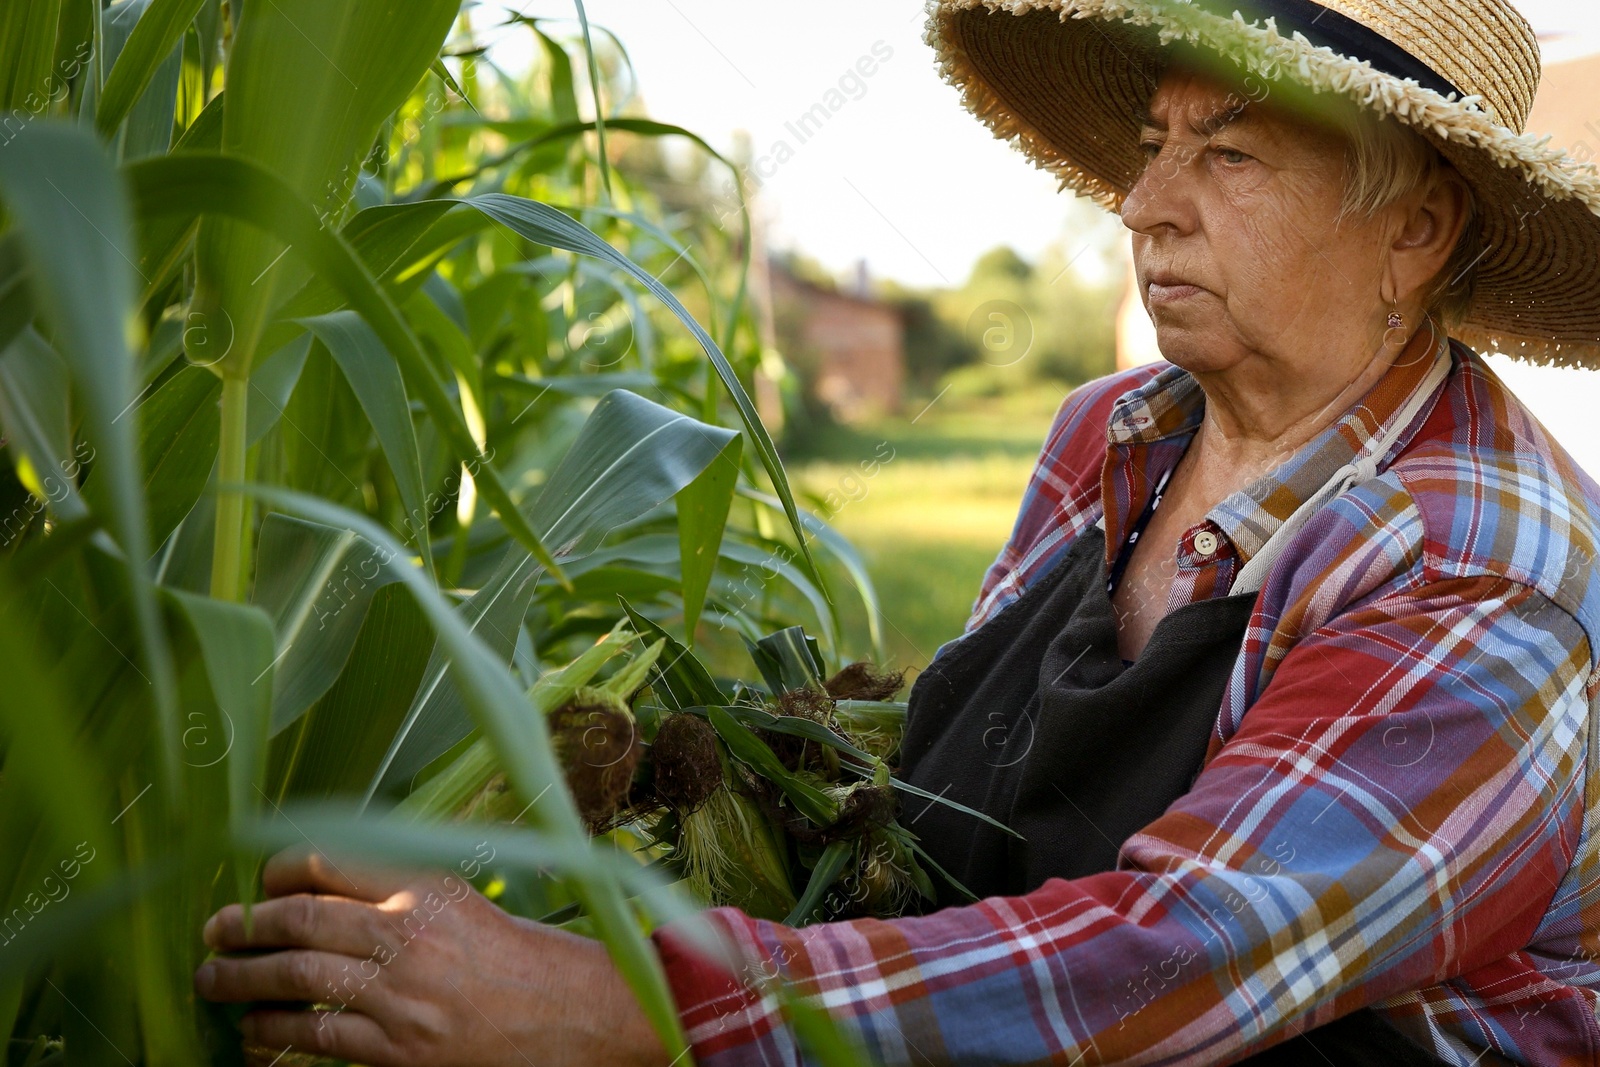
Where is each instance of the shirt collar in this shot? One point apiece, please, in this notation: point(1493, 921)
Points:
point(1171, 404)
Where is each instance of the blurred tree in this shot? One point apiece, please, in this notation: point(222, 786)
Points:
point(934, 346)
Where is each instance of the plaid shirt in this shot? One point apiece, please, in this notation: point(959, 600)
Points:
point(1398, 807)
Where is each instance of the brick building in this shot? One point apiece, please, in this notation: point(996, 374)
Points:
point(847, 345)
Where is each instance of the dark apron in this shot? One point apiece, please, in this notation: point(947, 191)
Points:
point(1034, 719)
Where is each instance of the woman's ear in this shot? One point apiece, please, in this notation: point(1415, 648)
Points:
point(1433, 220)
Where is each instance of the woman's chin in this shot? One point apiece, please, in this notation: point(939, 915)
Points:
point(1195, 348)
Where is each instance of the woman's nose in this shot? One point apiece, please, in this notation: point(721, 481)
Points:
point(1163, 195)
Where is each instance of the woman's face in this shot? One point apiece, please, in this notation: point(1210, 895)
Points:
point(1235, 241)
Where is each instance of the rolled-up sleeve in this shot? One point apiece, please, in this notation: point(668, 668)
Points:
point(1396, 808)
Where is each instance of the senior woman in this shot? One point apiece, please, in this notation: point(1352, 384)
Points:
point(1286, 674)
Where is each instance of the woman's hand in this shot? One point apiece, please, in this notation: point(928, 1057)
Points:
point(419, 969)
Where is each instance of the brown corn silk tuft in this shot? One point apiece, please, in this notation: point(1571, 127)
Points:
point(862, 680)
point(687, 770)
point(598, 743)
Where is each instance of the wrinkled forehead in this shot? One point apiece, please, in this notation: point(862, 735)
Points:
point(1202, 93)
point(1192, 100)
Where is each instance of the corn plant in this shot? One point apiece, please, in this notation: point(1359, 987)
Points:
point(350, 390)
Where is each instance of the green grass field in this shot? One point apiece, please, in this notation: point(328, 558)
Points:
point(930, 520)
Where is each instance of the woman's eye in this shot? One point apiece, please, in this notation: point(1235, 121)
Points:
point(1232, 155)
point(1151, 149)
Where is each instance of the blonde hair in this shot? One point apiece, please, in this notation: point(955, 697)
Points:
point(1385, 162)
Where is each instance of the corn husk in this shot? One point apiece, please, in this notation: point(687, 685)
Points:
point(779, 803)
point(800, 823)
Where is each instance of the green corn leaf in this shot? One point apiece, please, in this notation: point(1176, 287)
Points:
point(60, 784)
point(562, 914)
point(289, 59)
point(33, 410)
point(683, 680)
point(594, 88)
point(340, 828)
point(439, 717)
point(543, 136)
point(446, 298)
point(544, 224)
point(204, 133)
point(799, 655)
point(678, 248)
point(441, 331)
point(442, 72)
point(166, 241)
point(771, 668)
point(787, 659)
point(823, 875)
point(799, 727)
point(335, 747)
point(183, 184)
point(633, 675)
point(162, 353)
point(27, 47)
point(375, 377)
point(272, 382)
point(842, 550)
point(315, 582)
point(745, 746)
point(572, 384)
point(152, 40)
point(631, 455)
point(607, 583)
point(143, 38)
point(702, 515)
point(539, 135)
point(656, 553)
point(178, 426)
point(929, 861)
point(68, 205)
point(384, 238)
point(917, 791)
point(563, 98)
point(764, 560)
point(208, 33)
point(392, 238)
point(236, 641)
point(323, 436)
point(640, 334)
point(522, 744)
point(16, 304)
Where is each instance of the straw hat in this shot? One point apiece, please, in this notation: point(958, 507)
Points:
point(1064, 81)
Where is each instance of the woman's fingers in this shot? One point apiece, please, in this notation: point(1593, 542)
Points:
point(293, 974)
point(302, 870)
point(345, 1035)
point(465, 983)
point(303, 920)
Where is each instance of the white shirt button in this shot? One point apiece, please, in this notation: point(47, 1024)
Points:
point(1205, 542)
